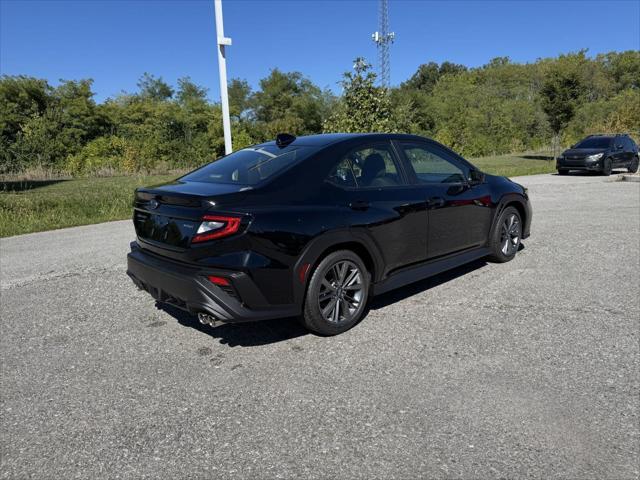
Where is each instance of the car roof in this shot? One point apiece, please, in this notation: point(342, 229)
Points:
point(325, 139)
point(607, 135)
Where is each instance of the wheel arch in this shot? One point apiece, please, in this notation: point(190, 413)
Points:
point(511, 200)
point(520, 208)
point(328, 243)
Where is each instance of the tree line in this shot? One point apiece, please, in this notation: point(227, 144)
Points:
point(501, 107)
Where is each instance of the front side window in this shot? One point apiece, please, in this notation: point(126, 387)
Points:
point(249, 166)
point(432, 166)
point(365, 167)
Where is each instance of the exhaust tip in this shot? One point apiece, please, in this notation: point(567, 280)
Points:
point(207, 319)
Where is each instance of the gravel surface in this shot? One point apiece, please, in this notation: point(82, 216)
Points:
point(527, 369)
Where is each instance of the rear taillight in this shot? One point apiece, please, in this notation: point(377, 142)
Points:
point(216, 226)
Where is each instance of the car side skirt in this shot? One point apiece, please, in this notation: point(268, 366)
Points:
point(428, 269)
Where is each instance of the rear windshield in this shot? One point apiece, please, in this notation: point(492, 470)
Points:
point(594, 142)
point(249, 166)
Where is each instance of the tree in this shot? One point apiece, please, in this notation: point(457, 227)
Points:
point(560, 95)
point(288, 102)
point(428, 74)
point(563, 90)
point(363, 106)
point(239, 97)
point(499, 107)
point(623, 68)
point(620, 113)
point(189, 92)
point(77, 114)
point(154, 88)
point(22, 99)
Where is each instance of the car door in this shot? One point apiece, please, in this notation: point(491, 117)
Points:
point(629, 151)
point(382, 203)
point(459, 210)
point(619, 152)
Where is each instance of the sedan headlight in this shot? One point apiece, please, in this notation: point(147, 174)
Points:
point(593, 158)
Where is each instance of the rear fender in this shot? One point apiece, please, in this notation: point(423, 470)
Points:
point(313, 254)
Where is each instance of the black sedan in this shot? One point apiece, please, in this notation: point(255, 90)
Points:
point(314, 226)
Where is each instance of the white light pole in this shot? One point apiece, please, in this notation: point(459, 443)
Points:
point(222, 42)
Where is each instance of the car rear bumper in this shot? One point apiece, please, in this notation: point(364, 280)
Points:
point(188, 288)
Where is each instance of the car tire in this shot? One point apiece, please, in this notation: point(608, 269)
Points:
point(633, 168)
point(606, 167)
point(337, 294)
point(563, 171)
point(506, 236)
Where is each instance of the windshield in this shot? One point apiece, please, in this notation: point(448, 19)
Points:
point(249, 166)
point(594, 142)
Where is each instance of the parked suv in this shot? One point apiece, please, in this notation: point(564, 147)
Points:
point(314, 226)
point(600, 153)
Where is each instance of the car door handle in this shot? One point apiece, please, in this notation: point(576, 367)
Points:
point(359, 205)
point(435, 202)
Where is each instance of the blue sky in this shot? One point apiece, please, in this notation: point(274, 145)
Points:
point(115, 41)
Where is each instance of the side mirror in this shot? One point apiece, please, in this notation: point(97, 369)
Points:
point(619, 147)
point(476, 177)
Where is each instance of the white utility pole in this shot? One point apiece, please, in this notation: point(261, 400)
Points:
point(222, 42)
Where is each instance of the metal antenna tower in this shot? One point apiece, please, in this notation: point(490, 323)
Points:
point(383, 38)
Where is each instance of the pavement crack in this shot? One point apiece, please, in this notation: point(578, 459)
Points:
point(53, 275)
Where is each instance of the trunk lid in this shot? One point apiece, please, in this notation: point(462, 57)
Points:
point(168, 215)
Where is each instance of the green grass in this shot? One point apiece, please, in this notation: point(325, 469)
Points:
point(38, 205)
point(515, 165)
point(34, 206)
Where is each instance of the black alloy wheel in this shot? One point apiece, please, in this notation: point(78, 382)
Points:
point(337, 293)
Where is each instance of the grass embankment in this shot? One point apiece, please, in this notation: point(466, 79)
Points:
point(38, 205)
point(515, 165)
point(33, 206)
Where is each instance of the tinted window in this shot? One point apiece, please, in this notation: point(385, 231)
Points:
point(594, 142)
point(431, 165)
point(342, 175)
point(373, 166)
point(249, 166)
point(629, 146)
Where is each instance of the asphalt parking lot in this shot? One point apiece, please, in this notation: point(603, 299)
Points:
point(527, 369)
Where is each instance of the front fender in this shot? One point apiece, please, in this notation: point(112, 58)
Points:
point(524, 207)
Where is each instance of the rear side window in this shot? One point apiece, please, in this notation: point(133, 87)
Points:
point(365, 167)
point(249, 166)
point(342, 175)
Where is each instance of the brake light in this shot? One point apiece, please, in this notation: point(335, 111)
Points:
point(216, 226)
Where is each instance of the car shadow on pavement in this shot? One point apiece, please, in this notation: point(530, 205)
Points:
point(578, 173)
point(394, 296)
point(250, 334)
